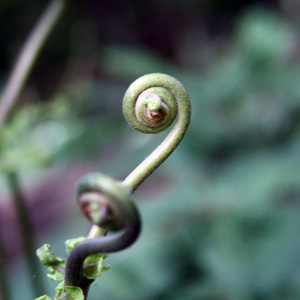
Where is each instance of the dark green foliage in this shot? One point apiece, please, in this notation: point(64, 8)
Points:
point(222, 219)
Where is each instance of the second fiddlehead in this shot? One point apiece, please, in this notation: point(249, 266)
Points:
point(106, 203)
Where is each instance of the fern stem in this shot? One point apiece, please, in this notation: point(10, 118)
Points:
point(27, 236)
point(27, 58)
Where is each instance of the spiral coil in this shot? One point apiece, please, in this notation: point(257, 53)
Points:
point(150, 104)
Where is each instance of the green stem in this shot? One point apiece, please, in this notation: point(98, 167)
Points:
point(27, 58)
point(96, 231)
point(26, 234)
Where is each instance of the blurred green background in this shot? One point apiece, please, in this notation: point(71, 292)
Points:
point(221, 217)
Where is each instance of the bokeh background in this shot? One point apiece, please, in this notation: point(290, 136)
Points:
point(221, 217)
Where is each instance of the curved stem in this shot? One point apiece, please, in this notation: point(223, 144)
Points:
point(74, 268)
point(27, 58)
point(120, 210)
point(160, 154)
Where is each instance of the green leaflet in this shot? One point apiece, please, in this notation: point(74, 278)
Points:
point(45, 297)
point(54, 264)
point(93, 268)
point(72, 243)
point(46, 256)
point(59, 289)
point(74, 293)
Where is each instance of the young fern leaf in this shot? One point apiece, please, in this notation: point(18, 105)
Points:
point(150, 105)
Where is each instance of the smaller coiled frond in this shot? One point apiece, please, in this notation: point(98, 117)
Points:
point(105, 202)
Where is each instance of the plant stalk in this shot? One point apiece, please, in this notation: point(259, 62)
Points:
point(27, 236)
point(27, 58)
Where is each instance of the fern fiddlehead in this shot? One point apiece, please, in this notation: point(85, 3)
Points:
point(98, 192)
point(150, 105)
